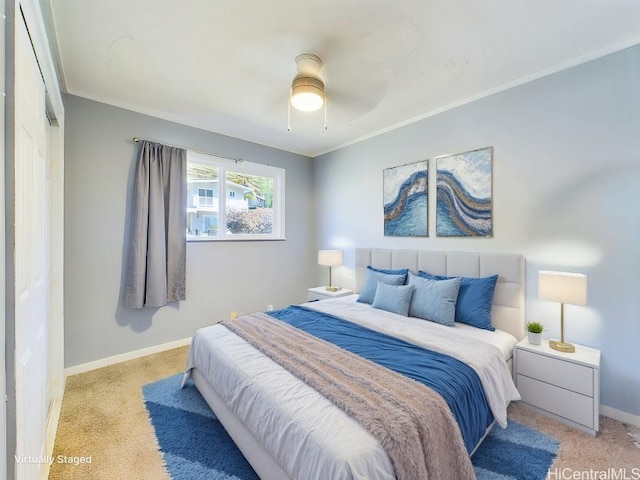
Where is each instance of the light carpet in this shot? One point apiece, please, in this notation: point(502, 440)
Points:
point(195, 445)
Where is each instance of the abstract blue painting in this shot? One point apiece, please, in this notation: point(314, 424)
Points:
point(405, 200)
point(463, 194)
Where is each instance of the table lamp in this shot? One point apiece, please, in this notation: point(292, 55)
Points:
point(563, 288)
point(330, 258)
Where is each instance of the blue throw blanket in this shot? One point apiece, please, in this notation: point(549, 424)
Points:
point(454, 380)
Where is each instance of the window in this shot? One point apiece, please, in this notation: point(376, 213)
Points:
point(205, 197)
point(246, 198)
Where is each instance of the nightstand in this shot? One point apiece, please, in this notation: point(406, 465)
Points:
point(321, 293)
point(564, 386)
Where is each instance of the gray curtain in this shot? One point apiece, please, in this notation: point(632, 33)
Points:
point(156, 267)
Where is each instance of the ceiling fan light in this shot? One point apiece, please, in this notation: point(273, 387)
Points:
point(307, 94)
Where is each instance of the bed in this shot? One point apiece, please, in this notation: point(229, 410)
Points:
point(287, 430)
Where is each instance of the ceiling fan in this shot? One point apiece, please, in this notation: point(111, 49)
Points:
point(352, 82)
point(307, 89)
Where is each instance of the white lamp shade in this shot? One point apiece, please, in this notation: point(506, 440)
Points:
point(307, 96)
point(330, 258)
point(562, 287)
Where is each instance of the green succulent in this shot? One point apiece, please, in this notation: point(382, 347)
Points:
point(534, 327)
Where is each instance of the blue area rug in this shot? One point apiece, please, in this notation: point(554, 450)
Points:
point(196, 446)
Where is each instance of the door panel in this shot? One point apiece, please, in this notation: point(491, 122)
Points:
point(31, 260)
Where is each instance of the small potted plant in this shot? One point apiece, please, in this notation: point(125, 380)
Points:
point(534, 332)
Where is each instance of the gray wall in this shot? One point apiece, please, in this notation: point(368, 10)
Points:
point(221, 276)
point(566, 187)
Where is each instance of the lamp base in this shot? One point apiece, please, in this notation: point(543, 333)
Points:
point(562, 346)
point(332, 289)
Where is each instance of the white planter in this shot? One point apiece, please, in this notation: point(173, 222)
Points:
point(534, 338)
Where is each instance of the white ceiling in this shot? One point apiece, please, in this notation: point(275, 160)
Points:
point(227, 66)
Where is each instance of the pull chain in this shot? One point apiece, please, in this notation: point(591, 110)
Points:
point(325, 112)
point(289, 112)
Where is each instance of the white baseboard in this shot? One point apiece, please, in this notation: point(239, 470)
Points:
point(621, 416)
point(123, 357)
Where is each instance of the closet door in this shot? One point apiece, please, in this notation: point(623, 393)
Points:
point(32, 246)
point(3, 253)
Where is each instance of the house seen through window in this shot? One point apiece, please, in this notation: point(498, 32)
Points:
point(233, 200)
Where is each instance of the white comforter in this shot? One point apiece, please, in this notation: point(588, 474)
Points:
point(303, 431)
point(484, 358)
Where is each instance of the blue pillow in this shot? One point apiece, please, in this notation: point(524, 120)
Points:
point(434, 300)
point(393, 298)
point(475, 299)
point(373, 277)
point(401, 271)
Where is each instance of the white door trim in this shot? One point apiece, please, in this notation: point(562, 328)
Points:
point(38, 33)
point(3, 366)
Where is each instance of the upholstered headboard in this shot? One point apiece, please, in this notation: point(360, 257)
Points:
point(508, 301)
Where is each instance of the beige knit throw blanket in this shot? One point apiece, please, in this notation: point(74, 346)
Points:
point(412, 422)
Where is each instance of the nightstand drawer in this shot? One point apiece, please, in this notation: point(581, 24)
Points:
point(570, 405)
point(321, 293)
point(571, 376)
point(314, 297)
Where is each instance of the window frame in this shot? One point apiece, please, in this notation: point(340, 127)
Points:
point(225, 165)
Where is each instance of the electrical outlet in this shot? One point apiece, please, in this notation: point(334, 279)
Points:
point(233, 315)
point(269, 308)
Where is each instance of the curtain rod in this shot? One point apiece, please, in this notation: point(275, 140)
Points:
point(237, 160)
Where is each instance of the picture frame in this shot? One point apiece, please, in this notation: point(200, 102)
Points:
point(464, 194)
point(405, 200)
